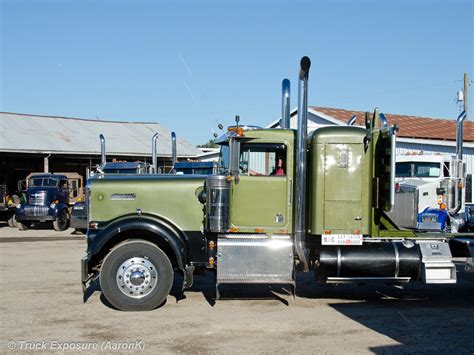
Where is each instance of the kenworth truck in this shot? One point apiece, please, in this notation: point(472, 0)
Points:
point(430, 189)
point(427, 193)
point(283, 201)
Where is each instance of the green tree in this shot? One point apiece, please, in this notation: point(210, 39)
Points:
point(210, 144)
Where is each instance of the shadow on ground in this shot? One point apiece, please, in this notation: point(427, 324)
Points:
point(421, 318)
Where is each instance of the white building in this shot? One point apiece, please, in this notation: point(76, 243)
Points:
point(417, 135)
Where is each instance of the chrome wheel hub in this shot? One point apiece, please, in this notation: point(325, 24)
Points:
point(136, 277)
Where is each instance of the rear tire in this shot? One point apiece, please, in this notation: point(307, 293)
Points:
point(15, 223)
point(136, 276)
point(61, 223)
point(12, 222)
point(23, 226)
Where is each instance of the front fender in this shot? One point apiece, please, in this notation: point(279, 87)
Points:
point(98, 239)
point(60, 206)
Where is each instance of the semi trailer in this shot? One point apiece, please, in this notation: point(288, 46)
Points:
point(282, 201)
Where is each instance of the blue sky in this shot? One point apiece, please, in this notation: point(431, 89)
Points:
point(190, 64)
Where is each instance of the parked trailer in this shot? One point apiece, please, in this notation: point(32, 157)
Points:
point(282, 202)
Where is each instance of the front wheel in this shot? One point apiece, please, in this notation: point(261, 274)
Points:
point(12, 222)
point(23, 226)
point(136, 276)
point(61, 222)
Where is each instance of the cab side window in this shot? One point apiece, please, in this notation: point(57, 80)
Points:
point(262, 159)
point(63, 184)
point(74, 189)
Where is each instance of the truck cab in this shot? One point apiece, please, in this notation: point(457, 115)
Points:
point(426, 188)
point(124, 168)
point(48, 199)
point(195, 167)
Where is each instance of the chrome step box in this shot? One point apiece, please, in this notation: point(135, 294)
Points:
point(437, 266)
point(246, 258)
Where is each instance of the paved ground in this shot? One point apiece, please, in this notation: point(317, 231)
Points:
point(43, 308)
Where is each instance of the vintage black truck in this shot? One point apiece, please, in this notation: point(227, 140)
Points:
point(49, 198)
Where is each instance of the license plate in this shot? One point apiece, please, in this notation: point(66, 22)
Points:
point(342, 239)
point(433, 219)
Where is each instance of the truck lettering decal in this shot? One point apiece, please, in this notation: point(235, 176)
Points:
point(123, 197)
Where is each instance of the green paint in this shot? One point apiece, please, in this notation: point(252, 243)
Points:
point(339, 181)
point(172, 198)
point(257, 200)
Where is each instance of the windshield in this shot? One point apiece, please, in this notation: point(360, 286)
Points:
point(426, 170)
point(223, 163)
point(403, 170)
point(43, 182)
point(423, 169)
point(120, 171)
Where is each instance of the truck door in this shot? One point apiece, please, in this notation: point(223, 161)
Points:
point(260, 196)
point(63, 193)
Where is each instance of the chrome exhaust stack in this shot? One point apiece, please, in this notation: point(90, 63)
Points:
point(301, 152)
point(154, 163)
point(458, 165)
point(173, 152)
point(459, 134)
point(285, 104)
point(103, 158)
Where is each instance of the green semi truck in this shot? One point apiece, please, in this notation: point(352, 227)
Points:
point(282, 202)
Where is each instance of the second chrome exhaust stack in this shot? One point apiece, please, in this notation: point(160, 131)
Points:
point(154, 163)
point(173, 152)
point(103, 157)
point(300, 178)
point(285, 104)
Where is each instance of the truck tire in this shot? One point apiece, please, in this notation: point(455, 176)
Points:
point(12, 222)
point(136, 276)
point(23, 226)
point(15, 223)
point(61, 223)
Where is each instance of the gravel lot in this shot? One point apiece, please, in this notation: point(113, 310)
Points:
point(43, 309)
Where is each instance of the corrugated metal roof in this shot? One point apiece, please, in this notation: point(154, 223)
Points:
point(66, 135)
point(413, 127)
point(410, 126)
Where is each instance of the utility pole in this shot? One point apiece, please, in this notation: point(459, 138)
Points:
point(466, 84)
